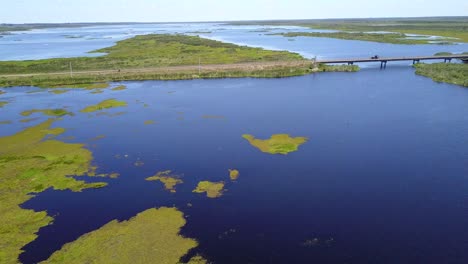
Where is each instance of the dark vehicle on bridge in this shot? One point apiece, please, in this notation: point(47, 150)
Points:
point(375, 57)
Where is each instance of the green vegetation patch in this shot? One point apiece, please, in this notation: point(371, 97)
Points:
point(394, 38)
point(30, 164)
point(119, 88)
point(149, 51)
point(212, 189)
point(167, 178)
point(86, 86)
point(151, 236)
point(47, 112)
point(57, 91)
point(444, 53)
point(336, 68)
point(2, 92)
point(277, 144)
point(7, 122)
point(106, 104)
point(149, 122)
point(444, 72)
point(233, 174)
point(3, 103)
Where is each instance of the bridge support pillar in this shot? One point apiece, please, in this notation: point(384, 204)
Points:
point(350, 63)
point(383, 64)
point(447, 60)
point(415, 61)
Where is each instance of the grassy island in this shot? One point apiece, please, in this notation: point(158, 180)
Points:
point(444, 72)
point(150, 237)
point(233, 174)
point(277, 144)
point(155, 57)
point(168, 179)
point(212, 189)
point(394, 38)
point(106, 104)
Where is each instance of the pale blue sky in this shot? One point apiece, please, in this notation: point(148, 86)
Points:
point(27, 11)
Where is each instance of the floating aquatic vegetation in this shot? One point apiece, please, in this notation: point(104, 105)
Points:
point(114, 175)
point(233, 174)
point(58, 91)
point(169, 180)
point(97, 91)
point(151, 236)
point(212, 117)
point(277, 144)
point(3, 103)
point(212, 189)
point(119, 88)
point(149, 122)
point(106, 104)
point(27, 120)
point(47, 112)
point(2, 92)
point(6, 122)
point(28, 165)
point(110, 114)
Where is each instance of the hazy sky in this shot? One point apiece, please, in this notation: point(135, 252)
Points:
point(26, 11)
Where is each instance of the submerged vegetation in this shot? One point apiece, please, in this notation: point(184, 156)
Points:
point(28, 165)
point(150, 237)
point(212, 189)
point(445, 72)
point(47, 112)
point(106, 104)
point(167, 178)
point(277, 144)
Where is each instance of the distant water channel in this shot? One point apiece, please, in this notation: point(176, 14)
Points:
point(383, 178)
point(72, 42)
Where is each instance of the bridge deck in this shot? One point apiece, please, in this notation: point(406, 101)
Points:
point(385, 59)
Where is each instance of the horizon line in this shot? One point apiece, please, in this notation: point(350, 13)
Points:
point(228, 21)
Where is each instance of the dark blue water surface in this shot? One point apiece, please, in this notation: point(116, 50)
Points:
point(382, 179)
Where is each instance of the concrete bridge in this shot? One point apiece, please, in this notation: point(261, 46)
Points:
point(383, 60)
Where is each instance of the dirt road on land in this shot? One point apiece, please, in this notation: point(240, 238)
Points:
point(249, 66)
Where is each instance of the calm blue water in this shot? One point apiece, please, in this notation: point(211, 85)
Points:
point(383, 178)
